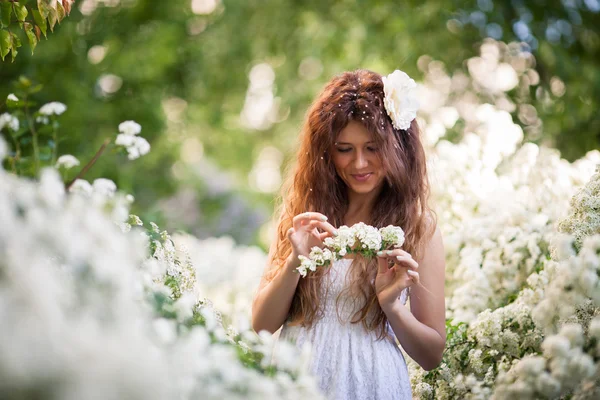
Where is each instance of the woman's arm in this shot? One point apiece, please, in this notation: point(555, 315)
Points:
point(422, 330)
point(273, 299)
point(272, 303)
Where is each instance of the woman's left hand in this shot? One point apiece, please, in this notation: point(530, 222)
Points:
point(392, 279)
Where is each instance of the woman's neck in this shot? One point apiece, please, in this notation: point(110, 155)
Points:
point(359, 207)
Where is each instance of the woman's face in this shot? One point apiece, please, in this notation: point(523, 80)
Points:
point(356, 159)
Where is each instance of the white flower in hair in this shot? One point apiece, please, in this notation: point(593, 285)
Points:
point(400, 98)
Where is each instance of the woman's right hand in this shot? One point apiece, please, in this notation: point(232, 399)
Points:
point(308, 230)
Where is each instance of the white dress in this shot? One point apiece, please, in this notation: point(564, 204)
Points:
point(348, 361)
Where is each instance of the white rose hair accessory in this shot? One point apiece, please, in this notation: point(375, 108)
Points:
point(400, 98)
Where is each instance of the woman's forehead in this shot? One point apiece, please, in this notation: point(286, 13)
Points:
point(354, 133)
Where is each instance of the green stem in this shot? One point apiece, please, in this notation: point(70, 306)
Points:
point(55, 147)
point(17, 155)
point(34, 136)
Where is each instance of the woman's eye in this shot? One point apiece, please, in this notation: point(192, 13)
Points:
point(372, 148)
point(344, 150)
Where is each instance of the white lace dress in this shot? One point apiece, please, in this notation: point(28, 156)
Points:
point(348, 361)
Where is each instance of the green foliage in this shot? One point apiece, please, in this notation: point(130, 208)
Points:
point(15, 13)
point(136, 60)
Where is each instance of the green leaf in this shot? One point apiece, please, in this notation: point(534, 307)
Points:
point(52, 18)
point(5, 43)
point(30, 36)
point(40, 21)
point(36, 89)
point(16, 42)
point(21, 12)
point(45, 7)
point(13, 53)
point(24, 82)
point(60, 11)
point(5, 11)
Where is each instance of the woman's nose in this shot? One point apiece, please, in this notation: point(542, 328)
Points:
point(360, 161)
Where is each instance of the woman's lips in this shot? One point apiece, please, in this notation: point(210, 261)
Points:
point(361, 177)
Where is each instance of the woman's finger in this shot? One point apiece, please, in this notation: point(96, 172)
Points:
point(299, 219)
point(289, 233)
point(414, 276)
point(311, 225)
point(403, 259)
point(383, 266)
point(325, 226)
point(407, 261)
point(398, 252)
point(324, 235)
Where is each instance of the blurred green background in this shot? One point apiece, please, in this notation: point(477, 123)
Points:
point(221, 87)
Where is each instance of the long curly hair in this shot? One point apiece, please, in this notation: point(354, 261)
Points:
point(313, 185)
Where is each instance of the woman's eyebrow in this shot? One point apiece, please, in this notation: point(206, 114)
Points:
point(352, 144)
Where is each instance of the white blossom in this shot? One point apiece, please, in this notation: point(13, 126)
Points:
point(104, 187)
point(139, 148)
point(12, 97)
point(130, 128)
point(53, 108)
point(10, 121)
point(81, 186)
point(42, 119)
point(393, 235)
point(67, 161)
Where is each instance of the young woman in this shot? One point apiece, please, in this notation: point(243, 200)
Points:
point(360, 160)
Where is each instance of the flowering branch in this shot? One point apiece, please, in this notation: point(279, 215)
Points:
point(359, 239)
point(89, 164)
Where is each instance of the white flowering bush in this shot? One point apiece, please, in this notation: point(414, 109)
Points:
point(360, 238)
point(522, 301)
point(93, 310)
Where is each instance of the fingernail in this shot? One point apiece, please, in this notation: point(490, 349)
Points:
point(380, 253)
point(335, 233)
point(389, 252)
point(398, 257)
point(323, 218)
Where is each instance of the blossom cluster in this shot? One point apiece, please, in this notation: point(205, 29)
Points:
point(9, 121)
point(360, 238)
point(135, 145)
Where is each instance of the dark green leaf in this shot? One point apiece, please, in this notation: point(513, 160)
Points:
point(40, 21)
point(21, 12)
point(5, 13)
point(36, 89)
point(5, 43)
point(30, 36)
point(16, 42)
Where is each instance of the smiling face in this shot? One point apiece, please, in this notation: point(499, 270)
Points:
point(356, 159)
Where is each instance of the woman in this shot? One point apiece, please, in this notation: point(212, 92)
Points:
point(360, 160)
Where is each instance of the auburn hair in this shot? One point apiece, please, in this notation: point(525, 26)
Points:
point(313, 185)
